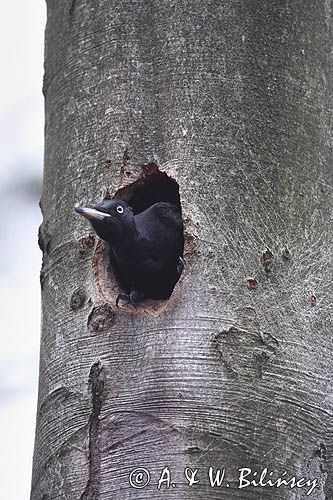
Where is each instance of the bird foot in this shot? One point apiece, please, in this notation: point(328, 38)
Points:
point(122, 296)
point(131, 298)
point(180, 266)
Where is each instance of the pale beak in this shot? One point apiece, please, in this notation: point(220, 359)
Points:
point(91, 213)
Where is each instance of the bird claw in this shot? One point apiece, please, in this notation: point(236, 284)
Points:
point(136, 296)
point(180, 266)
point(122, 296)
point(132, 298)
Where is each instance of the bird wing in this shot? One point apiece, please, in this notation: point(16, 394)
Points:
point(162, 227)
point(169, 214)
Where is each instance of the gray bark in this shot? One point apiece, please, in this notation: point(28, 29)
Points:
point(233, 100)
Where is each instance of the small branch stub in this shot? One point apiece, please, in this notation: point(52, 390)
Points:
point(266, 260)
point(313, 299)
point(77, 299)
point(252, 283)
point(286, 254)
point(101, 318)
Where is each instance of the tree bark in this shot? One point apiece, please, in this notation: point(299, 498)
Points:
point(233, 100)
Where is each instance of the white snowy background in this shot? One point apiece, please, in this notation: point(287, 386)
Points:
point(21, 134)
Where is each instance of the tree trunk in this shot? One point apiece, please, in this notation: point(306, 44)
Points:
point(233, 100)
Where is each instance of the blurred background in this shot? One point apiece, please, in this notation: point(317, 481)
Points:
point(21, 124)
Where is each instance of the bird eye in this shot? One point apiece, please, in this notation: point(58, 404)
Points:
point(120, 209)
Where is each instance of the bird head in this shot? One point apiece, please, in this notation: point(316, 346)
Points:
point(112, 220)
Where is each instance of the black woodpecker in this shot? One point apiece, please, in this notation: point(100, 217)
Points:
point(146, 250)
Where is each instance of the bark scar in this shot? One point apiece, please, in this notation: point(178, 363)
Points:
point(72, 7)
point(96, 384)
point(123, 167)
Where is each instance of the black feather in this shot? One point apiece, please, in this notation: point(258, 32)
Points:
point(146, 250)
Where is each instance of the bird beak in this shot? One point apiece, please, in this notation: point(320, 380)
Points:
point(91, 213)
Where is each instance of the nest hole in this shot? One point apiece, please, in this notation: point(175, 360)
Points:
point(151, 187)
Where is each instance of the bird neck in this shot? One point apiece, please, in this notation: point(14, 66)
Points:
point(125, 237)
